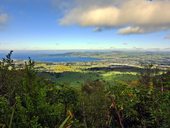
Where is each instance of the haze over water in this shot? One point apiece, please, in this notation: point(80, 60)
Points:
point(47, 56)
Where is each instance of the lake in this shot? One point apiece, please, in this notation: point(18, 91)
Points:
point(42, 56)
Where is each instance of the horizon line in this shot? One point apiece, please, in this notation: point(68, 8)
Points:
point(109, 49)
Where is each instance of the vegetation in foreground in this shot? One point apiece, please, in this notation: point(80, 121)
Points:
point(30, 100)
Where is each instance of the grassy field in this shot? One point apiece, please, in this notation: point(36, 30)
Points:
point(76, 75)
point(76, 79)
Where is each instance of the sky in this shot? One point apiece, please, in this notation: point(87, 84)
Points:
point(84, 24)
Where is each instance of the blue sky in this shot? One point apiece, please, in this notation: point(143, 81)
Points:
point(59, 24)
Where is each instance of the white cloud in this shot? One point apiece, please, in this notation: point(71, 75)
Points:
point(130, 30)
point(97, 29)
point(129, 16)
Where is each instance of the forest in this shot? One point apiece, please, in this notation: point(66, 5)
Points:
point(29, 99)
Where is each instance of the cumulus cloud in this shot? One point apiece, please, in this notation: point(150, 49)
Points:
point(97, 29)
point(3, 18)
point(131, 30)
point(129, 16)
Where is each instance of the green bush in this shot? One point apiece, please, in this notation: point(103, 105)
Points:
point(28, 100)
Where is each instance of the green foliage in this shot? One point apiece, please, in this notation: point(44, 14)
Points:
point(24, 98)
point(31, 101)
point(141, 107)
point(5, 111)
point(94, 104)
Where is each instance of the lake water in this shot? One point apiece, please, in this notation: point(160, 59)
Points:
point(41, 56)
